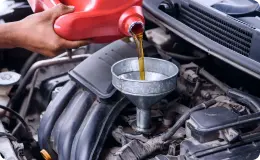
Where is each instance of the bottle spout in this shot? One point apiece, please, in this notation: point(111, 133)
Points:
point(136, 28)
point(132, 21)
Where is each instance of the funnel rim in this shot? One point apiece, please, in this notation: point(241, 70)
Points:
point(145, 81)
point(145, 95)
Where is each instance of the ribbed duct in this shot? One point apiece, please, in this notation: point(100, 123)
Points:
point(216, 29)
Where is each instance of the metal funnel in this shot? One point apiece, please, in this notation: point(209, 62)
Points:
point(161, 78)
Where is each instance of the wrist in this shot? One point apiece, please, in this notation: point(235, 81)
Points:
point(6, 34)
point(14, 34)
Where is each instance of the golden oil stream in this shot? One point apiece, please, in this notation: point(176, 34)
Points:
point(138, 38)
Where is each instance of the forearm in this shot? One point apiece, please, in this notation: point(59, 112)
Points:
point(36, 33)
point(8, 35)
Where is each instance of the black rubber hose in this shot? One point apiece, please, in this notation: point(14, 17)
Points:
point(17, 116)
point(253, 103)
point(173, 107)
point(24, 110)
point(214, 80)
point(180, 56)
point(177, 107)
point(30, 61)
point(185, 117)
point(8, 135)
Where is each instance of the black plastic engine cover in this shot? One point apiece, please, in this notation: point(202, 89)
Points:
point(75, 127)
point(212, 117)
point(204, 120)
point(69, 123)
point(94, 73)
point(234, 40)
point(93, 132)
point(239, 151)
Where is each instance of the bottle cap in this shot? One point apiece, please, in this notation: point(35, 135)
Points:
point(9, 78)
point(45, 155)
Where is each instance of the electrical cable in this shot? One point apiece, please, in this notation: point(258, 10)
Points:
point(8, 135)
point(17, 116)
point(251, 102)
point(25, 109)
point(29, 62)
point(184, 117)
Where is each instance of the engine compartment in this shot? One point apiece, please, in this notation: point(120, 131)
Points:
point(86, 120)
point(73, 112)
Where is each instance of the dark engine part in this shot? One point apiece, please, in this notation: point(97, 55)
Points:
point(14, 10)
point(198, 31)
point(241, 8)
point(67, 124)
point(95, 73)
point(192, 150)
point(9, 149)
point(234, 121)
point(202, 119)
point(216, 116)
point(222, 125)
point(50, 87)
point(215, 133)
point(52, 114)
point(77, 121)
point(238, 151)
point(92, 134)
point(220, 144)
point(237, 33)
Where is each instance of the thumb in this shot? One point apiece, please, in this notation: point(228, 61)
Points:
point(61, 9)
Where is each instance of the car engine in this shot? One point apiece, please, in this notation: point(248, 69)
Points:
point(68, 109)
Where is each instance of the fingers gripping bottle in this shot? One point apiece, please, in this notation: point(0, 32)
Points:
point(100, 21)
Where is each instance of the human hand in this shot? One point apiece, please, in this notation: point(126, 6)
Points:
point(36, 32)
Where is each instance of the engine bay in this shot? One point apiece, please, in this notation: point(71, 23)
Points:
point(77, 109)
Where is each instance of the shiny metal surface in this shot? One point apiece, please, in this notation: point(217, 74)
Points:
point(143, 118)
point(161, 78)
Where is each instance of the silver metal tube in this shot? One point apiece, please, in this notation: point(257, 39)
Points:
point(40, 64)
point(143, 118)
point(49, 62)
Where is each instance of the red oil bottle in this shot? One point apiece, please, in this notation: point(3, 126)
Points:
point(97, 20)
